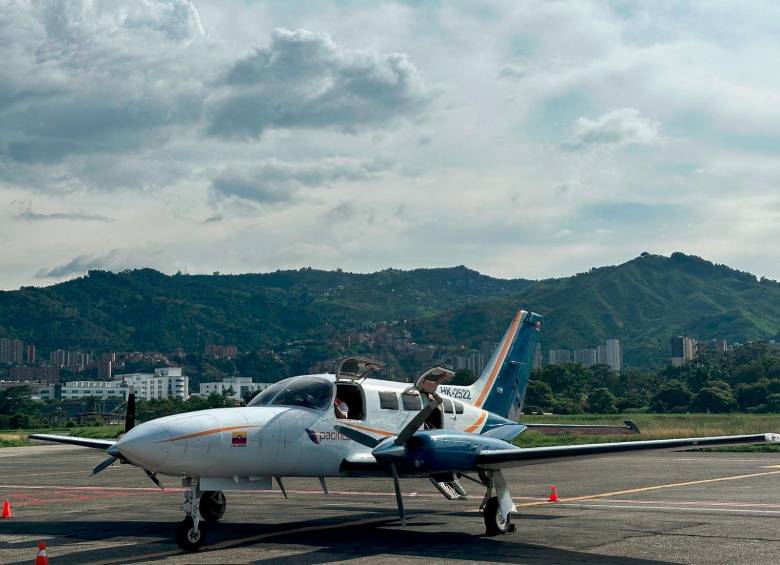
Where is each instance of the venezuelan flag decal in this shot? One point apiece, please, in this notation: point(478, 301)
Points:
point(238, 439)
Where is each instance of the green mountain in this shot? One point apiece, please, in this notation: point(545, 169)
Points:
point(643, 302)
point(145, 310)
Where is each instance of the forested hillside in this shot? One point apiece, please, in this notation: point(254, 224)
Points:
point(642, 302)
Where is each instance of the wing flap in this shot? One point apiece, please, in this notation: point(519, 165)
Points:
point(500, 458)
point(74, 440)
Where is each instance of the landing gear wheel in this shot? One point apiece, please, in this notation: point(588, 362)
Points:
point(212, 505)
point(187, 537)
point(494, 522)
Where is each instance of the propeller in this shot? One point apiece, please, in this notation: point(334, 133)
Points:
point(113, 451)
point(154, 478)
point(391, 449)
point(100, 466)
point(130, 412)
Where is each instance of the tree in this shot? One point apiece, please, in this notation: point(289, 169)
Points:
point(463, 377)
point(672, 397)
point(717, 397)
point(751, 395)
point(602, 401)
point(773, 403)
point(538, 397)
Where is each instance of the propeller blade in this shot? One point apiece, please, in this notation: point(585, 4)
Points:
point(99, 467)
point(281, 486)
point(130, 413)
point(414, 425)
point(398, 499)
point(154, 478)
point(359, 437)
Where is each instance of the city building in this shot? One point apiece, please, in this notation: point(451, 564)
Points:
point(585, 356)
point(221, 351)
point(474, 362)
point(166, 382)
point(537, 358)
point(30, 354)
point(615, 354)
point(105, 365)
point(72, 360)
point(558, 356)
point(683, 350)
point(97, 389)
point(11, 351)
point(601, 355)
point(240, 387)
point(40, 374)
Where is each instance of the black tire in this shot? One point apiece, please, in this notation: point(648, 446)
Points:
point(187, 537)
point(212, 505)
point(494, 524)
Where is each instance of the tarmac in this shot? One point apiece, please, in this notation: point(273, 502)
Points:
point(659, 507)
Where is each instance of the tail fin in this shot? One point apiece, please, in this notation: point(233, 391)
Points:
point(501, 387)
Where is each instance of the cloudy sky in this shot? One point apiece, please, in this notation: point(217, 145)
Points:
point(519, 138)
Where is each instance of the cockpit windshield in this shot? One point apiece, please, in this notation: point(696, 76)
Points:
point(266, 396)
point(309, 392)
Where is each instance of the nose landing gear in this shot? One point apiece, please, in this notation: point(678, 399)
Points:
point(190, 532)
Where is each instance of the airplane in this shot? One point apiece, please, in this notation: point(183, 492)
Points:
point(345, 424)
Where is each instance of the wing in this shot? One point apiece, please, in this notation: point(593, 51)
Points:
point(500, 458)
point(629, 427)
point(73, 440)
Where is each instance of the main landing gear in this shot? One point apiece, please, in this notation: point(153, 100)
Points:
point(202, 507)
point(496, 510)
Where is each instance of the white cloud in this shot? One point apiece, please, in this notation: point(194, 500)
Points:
point(274, 182)
point(216, 138)
point(613, 130)
point(305, 79)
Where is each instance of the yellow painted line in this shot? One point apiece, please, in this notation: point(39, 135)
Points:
point(656, 487)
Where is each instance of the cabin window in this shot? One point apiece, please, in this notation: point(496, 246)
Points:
point(411, 401)
point(458, 407)
point(448, 407)
point(388, 400)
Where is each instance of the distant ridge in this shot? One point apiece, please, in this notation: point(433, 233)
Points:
point(643, 302)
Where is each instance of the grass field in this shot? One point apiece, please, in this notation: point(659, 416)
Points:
point(658, 426)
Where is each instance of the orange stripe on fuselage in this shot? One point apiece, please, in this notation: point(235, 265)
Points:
point(476, 424)
point(206, 433)
point(500, 361)
point(367, 429)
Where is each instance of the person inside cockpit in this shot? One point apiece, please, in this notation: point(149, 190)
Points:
point(341, 409)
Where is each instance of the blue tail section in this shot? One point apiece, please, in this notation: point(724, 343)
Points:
point(501, 387)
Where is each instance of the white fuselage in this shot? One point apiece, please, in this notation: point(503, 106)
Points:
point(281, 440)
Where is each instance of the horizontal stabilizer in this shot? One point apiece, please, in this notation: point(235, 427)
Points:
point(507, 432)
point(629, 427)
point(73, 440)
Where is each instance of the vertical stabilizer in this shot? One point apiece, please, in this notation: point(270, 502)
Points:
point(501, 386)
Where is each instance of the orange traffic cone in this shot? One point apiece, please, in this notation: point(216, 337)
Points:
point(553, 494)
point(6, 510)
point(42, 559)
